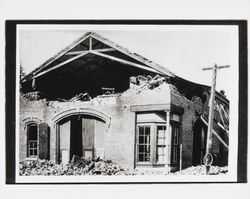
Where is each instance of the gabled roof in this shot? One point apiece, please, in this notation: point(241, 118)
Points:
point(144, 61)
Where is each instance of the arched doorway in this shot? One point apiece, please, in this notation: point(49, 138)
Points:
point(80, 135)
point(199, 142)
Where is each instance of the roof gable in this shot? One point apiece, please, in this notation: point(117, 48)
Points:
point(96, 44)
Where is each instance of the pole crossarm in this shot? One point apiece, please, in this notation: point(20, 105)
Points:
point(217, 67)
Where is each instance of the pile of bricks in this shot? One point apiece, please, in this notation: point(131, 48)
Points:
point(201, 170)
point(80, 166)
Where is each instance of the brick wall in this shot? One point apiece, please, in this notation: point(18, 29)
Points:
point(120, 135)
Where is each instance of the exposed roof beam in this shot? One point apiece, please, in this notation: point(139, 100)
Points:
point(76, 52)
point(61, 64)
point(219, 138)
point(104, 50)
point(74, 44)
point(124, 61)
point(126, 52)
point(96, 50)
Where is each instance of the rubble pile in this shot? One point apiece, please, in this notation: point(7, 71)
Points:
point(82, 166)
point(201, 170)
point(79, 166)
point(148, 82)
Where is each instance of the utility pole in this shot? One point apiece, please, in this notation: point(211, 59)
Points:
point(208, 158)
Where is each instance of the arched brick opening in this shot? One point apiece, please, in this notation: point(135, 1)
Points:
point(80, 132)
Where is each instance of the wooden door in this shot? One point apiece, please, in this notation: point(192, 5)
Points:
point(88, 131)
point(99, 138)
point(64, 142)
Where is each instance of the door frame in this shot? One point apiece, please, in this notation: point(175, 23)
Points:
point(76, 111)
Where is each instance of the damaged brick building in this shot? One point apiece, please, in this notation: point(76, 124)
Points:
point(97, 99)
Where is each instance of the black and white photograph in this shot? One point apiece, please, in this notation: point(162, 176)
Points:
point(124, 99)
point(126, 103)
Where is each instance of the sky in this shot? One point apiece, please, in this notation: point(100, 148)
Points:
point(184, 50)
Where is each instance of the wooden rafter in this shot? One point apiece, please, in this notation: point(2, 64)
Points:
point(61, 54)
point(124, 61)
point(96, 50)
point(126, 53)
point(90, 43)
point(61, 64)
point(213, 131)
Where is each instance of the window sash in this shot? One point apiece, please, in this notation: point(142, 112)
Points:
point(175, 144)
point(143, 143)
point(153, 136)
point(160, 143)
point(32, 140)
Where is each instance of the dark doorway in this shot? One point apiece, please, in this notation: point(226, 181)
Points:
point(80, 135)
point(76, 136)
point(199, 142)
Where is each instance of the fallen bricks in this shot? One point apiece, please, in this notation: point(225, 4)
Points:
point(83, 166)
point(80, 166)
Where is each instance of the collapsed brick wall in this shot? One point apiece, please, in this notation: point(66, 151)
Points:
point(191, 111)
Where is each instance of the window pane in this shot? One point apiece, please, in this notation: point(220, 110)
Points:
point(147, 130)
point(141, 139)
point(161, 141)
point(147, 140)
point(141, 157)
point(141, 148)
point(161, 159)
point(141, 130)
point(147, 158)
point(32, 131)
point(161, 133)
point(31, 144)
point(35, 151)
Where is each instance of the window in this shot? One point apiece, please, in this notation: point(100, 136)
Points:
point(143, 144)
point(161, 144)
point(32, 134)
point(175, 144)
point(151, 143)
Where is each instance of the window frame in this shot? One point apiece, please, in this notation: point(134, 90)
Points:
point(175, 146)
point(163, 146)
point(28, 125)
point(153, 143)
point(137, 143)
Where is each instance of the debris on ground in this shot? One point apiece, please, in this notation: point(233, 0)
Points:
point(79, 166)
point(201, 170)
point(83, 166)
